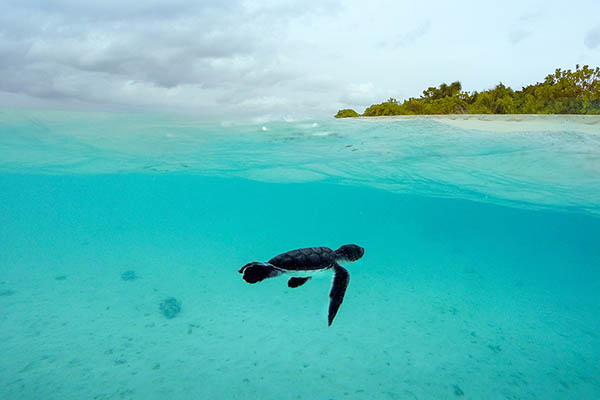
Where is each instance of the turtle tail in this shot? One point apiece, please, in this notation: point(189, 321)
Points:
point(258, 271)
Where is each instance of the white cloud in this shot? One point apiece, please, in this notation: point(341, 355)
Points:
point(592, 38)
point(276, 57)
point(518, 35)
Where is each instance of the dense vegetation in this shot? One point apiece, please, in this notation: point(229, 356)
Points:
point(564, 92)
point(347, 113)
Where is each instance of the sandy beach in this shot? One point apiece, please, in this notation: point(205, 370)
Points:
point(508, 122)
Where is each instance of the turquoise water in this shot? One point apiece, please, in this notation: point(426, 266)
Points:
point(481, 275)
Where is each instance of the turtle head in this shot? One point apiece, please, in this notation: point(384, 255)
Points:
point(349, 252)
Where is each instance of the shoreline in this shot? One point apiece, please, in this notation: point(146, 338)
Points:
point(505, 122)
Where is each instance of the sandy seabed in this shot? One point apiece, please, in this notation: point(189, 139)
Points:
point(453, 299)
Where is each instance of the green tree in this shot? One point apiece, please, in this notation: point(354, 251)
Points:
point(347, 113)
point(563, 92)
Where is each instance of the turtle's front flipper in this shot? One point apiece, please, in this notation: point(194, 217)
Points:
point(341, 278)
point(258, 271)
point(295, 282)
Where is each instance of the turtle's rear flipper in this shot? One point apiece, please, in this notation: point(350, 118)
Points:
point(341, 278)
point(295, 282)
point(258, 271)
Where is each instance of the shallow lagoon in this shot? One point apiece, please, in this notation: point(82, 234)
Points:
point(480, 278)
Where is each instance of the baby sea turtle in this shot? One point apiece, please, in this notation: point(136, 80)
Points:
point(302, 264)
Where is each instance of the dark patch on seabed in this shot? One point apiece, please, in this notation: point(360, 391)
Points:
point(129, 276)
point(170, 307)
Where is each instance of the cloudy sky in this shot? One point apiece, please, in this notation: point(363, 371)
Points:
point(279, 58)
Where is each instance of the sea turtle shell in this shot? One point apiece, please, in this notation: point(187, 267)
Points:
point(308, 259)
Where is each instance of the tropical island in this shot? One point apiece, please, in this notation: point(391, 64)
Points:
point(564, 92)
